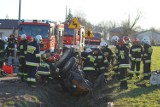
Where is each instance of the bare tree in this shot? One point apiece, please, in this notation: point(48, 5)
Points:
point(104, 27)
point(129, 27)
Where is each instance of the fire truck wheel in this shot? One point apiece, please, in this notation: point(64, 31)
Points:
point(65, 57)
point(66, 69)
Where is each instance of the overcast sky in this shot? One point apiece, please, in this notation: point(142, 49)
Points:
point(95, 10)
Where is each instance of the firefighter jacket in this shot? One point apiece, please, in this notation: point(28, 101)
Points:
point(11, 44)
point(136, 52)
point(128, 45)
point(33, 54)
point(147, 53)
point(84, 55)
point(107, 53)
point(123, 57)
point(21, 49)
point(2, 50)
point(101, 62)
point(89, 63)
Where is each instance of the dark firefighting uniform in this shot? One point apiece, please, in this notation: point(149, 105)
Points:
point(147, 53)
point(21, 50)
point(101, 63)
point(89, 68)
point(32, 60)
point(11, 46)
point(123, 60)
point(108, 54)
point(136, 52)
point(2, 53)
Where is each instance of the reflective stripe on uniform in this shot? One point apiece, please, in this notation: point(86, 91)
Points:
point(22, 56)
point(125, 79)
point(147, 61)
point(138, 59)
point(88, 68)
point(32, 63)
point(102, 68)
point(43, 73)
point(100, 57)
point(38, 55)
point(32, 80)
point(137, 72)
point(146, 74)
point(136, 50)
point(150, 50)
point(105, 61)
point(135, 59)
point(124, 66)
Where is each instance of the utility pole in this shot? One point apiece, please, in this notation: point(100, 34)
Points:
point(66, 14)
point(19, 14)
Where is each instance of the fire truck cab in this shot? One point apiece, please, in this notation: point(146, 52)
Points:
point(74, 37)
point(95, 41)
point(45, 28)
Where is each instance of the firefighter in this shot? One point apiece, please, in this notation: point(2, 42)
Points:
point(127, 42)
point(21, 50)
point(114, 40)
point(2, 51)
point(136, 52)
point(107, 51)
point(11, 46)
point(101, 61)
point(89, 66)
point(32, 58)
point(123, 63)
point(147, 53)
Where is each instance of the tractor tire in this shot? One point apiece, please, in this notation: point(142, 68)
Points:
point(66, 69)
point(65, 57)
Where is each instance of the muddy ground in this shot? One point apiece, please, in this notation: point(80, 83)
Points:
point(14, 93)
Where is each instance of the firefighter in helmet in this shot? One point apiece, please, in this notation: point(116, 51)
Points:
point(32, 58)
point(114, 40)
point(106, 51)
point(21, 50)
point(136, 52)
point(147, 54)
point(123, 63)
point(89, 66)
point(100, 61)
point(11, 46)
point(127, 42)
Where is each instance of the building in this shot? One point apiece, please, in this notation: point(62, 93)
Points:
point(152, 35)
point(8, 26)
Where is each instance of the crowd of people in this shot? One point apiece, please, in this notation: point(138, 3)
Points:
point(28, 53)
point(126, 55)
point(96, 62)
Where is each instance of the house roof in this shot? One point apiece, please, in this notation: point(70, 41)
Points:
point(8, 24)
point(151, 34)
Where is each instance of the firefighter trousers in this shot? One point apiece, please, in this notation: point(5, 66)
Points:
point(135, 64)
point(123, 78)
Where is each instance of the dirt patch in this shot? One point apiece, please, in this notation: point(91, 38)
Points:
point(15, 93)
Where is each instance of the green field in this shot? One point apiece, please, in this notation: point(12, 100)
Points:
point(137, 96)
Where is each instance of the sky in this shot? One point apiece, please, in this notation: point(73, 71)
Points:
point(94, 11)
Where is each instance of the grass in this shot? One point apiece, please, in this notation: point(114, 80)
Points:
point(140, 96)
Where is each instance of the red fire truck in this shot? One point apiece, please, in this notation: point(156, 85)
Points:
point(47, 29)
point(93, 42)
point(73, 37)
